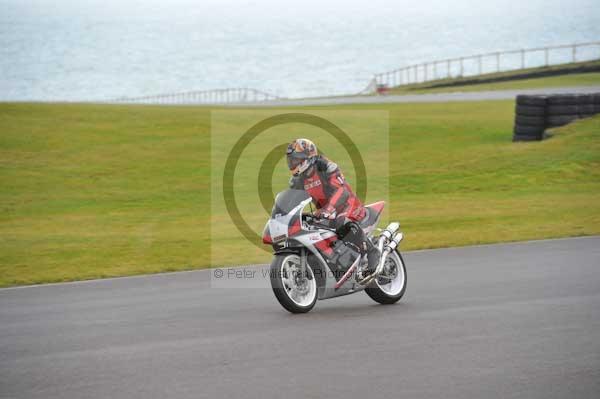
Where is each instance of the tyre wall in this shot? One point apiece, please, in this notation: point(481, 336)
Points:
point(536, 113)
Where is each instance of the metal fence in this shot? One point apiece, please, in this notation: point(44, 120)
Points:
point(470, 66)
point(480, 64)
point(219, 96)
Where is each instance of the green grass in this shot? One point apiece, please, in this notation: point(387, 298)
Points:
point(567, 76)
point(94, 191)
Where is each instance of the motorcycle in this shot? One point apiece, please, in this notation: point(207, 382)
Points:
point(311, 262)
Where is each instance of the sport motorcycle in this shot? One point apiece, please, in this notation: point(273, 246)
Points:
point(312, 262)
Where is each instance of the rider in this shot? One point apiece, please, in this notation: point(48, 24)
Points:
point(331, 194)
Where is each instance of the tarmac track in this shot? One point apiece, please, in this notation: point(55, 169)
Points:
point(494, 321)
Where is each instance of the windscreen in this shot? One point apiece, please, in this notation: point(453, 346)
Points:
point(288, 200)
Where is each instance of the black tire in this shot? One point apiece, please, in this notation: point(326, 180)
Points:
point(597, 108)
point(376, 294)
point(517, 137)
point(530, 110)
point(563, 110)
point(525, 99)
point(523, 130)
point(560, 120)
point(280, 291)
point(530, 120)
point(586, 99)
point(596, 97)
point(563, 99)
point(586, 109)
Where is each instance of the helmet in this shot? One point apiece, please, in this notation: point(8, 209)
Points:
point(301, 154)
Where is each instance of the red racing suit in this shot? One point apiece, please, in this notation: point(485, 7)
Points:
point(329, 190)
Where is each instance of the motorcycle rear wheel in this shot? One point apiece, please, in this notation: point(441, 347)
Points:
point(296, 293)
point(387, 291)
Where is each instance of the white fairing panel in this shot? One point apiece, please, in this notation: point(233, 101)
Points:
point(278, 225)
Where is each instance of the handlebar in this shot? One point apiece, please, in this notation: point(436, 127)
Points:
point(317, 221)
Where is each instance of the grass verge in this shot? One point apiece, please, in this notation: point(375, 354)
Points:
point(92, 191)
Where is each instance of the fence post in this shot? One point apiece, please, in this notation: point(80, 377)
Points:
point(434, 70)
point(425, 67)
point(574, 52)
point(497, 62)
point(479, 62)
point(546, 55)
point(416, 75)
point(462, 67)
point(449, 74)
point(522, 59)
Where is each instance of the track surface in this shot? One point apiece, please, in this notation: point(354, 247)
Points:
point(422, 98)
point(499, 321)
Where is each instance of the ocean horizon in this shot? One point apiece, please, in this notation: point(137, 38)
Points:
point(96, 50)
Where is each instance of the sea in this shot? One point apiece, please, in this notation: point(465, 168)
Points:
point(88, 50)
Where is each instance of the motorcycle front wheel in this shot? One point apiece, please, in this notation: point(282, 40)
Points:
point(391, 285)
point(295, 291)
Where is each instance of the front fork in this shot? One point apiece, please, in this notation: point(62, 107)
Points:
point(303, 264)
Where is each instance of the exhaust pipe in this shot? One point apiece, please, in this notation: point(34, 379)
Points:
point(388, 242)
point(387, 234)
point(389, 248)
point(389, 231)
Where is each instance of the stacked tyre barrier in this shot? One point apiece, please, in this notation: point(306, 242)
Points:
point(536, 113)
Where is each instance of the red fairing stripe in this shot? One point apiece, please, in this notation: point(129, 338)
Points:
point(294, 227)
point(325, 245)
point(266, 238)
